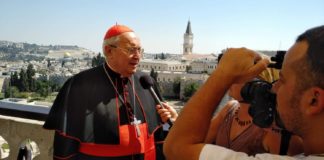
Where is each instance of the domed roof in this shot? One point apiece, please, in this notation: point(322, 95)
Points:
point(67, 55)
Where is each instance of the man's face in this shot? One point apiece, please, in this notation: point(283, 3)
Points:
point(288, 100)
point(123, 57)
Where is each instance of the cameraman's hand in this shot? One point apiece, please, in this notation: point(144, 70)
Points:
point(241, 64)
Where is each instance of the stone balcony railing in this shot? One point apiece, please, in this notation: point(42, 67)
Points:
point(15, 131)
point(22, 122)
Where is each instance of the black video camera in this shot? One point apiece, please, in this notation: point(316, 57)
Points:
point(278, 59)
point(262, 101)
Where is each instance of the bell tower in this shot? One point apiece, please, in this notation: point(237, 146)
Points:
point(188, 40)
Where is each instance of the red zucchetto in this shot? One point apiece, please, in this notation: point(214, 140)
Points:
point(117, 30)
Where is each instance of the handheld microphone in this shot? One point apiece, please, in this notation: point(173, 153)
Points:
point(147, 83)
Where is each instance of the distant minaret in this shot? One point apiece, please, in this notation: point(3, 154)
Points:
point(188, 40)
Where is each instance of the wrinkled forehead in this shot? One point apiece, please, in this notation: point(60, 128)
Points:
point(130, 39)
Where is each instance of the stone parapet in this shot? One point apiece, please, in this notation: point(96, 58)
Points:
point(17, 130)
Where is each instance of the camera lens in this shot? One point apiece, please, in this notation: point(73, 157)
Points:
point(262, 102)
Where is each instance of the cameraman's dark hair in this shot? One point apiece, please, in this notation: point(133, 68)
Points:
point(312, 66)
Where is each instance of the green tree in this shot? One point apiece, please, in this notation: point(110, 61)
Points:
point(14, 80)
point(154, 74)
point(49, 64)
point(43, 88)
point(11, 92)
point(190, 89)
point(23, 83)
point(176, 86)
point(30, 77)
point(97, 60)
point(163, 56)
point(54, 86)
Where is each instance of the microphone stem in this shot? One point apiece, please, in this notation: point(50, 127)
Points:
point(157, 100)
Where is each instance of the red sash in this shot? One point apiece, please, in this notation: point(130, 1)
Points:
point(130, 144)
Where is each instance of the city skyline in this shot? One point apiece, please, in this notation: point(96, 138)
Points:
point(216, 24)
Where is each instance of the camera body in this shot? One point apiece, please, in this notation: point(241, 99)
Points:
point(262, 101)
point(278, 59)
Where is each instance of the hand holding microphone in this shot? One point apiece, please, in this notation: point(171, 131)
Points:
point(166, 111)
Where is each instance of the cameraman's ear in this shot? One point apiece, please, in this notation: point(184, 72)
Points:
point(315, 100)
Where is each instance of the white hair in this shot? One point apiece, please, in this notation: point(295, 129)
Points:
point(109, 41)
point(114, 40)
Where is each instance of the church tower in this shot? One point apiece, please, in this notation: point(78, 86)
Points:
point(188, 40)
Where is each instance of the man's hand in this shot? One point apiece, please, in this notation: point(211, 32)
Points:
point(241, 64)
point(168, 112)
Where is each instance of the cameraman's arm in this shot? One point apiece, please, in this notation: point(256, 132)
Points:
point(186, 138)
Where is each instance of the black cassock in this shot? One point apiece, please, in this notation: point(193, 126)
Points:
point(93, 121)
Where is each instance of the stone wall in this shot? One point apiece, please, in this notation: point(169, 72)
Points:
point(17, 130)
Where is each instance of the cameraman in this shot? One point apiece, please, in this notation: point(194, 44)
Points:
point(300, 98)
point(233, 127)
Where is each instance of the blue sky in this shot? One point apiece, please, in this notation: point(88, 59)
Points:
point(216, 24)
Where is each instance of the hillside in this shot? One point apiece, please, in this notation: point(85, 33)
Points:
point(14, 51)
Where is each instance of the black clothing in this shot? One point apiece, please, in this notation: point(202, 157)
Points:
point(88, 110)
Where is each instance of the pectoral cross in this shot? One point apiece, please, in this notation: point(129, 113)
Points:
point(137, 129)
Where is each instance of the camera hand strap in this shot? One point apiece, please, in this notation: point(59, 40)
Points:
point(284, 144)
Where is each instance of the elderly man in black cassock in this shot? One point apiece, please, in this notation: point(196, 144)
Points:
point(105, 113)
